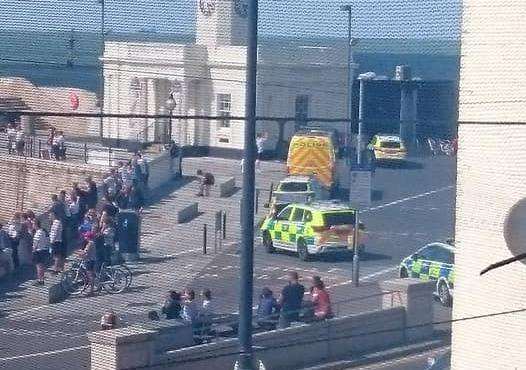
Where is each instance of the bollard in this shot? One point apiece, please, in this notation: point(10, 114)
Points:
point(270, 193)
point(39, 148)
point(204, 238)
point(85, 152)
point(224, 225)
point(257, 201)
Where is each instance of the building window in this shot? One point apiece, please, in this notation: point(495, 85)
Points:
point(302, 109)
point(224, 109)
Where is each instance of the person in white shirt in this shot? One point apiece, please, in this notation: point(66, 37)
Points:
point(207, 311)
point(58, 248)
point(20, 140)
point(11, 138)
point(40, 251)
point(57, 145)
point(261, 139)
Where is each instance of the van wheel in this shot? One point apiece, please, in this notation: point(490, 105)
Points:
point(303, 252)
point(267, 243)
point(443, 294)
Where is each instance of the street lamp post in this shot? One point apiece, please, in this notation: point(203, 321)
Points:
point(170, 105)
point(246, 273)
point(350, 77)
point(102, 47)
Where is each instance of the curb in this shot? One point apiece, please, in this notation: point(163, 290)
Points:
point(385, 355)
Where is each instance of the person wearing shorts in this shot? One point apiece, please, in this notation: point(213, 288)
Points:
point(58, 247)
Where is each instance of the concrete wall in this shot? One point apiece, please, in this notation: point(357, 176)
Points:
point(491, 187)
point(291, 348)
point(27, 183)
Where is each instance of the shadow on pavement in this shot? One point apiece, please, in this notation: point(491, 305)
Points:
point(400, 165)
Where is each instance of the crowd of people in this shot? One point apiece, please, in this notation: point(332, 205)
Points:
point(83, 219)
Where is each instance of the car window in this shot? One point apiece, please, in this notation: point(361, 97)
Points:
point(428, 253)
point(285, 214)
point(298, 215)
point(436, 253)
point(307, 216)
point(338, 218)
point(390, 144)
point(293, 186)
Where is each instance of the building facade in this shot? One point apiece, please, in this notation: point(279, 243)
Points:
point(491, 188)
point(207, 78)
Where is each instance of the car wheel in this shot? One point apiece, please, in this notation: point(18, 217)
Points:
point(443, 294)
point(267, 243)
point(403, 273)
point(303, 252)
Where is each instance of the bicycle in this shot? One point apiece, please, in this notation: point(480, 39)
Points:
point(113, 279)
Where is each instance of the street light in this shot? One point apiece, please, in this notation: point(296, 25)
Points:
point(170, 105)
point(102, 48)
point(350, 75)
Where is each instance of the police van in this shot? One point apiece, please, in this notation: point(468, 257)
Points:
point(312, 229)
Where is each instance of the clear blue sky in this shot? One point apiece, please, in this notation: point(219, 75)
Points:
point(372, 18)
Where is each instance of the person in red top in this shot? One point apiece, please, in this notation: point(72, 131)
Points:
point(320, 300)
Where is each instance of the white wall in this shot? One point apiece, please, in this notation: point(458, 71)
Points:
point(491, 180)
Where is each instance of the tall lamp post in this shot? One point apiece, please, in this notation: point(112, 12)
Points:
point(246, 278)
point(102, 47)
point(350, 76)
point(170, 105)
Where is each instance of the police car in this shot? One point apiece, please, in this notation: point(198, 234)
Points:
point(387, 147)
point(435, 261)
point(312, 229)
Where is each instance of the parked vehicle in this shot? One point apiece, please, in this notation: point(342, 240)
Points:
point(435, 261)
point(387, 147)
point(312, 229)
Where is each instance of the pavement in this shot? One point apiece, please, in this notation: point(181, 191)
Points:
point(413, 205)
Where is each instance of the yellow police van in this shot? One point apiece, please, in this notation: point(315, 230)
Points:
point(312, 229)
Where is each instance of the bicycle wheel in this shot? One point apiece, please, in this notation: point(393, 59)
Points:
point(74, 281)
point(116, 282)
point(129, 275)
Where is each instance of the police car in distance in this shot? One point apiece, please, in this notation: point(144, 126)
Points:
point(435, 261)
point(312, 229)
point(387, 147)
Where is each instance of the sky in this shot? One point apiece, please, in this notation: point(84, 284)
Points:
point(371, 18)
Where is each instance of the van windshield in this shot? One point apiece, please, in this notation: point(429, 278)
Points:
point(293, 186)
point(338, 218)
point(390, 144)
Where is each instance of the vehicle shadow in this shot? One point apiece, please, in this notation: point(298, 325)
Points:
point(400, 165)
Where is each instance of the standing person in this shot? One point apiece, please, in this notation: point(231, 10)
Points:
point(108, 236)
point(20, 139)
point(91, 193)
point(172, 306)
point(89, 256)
point(66, 223)
point(206, 180)
point(74, 209)
point(110, 184)
point(268, 309)
point(136, 198)
point(145, 169)
point(206, 314)
point(11, 138)
point(14, 231)
point(40, 251)
point(58, 207)
point(261, 139)
point(58, 248)
point(57, 146)
point(291, 300)
point(82, 199)
point(320, 299)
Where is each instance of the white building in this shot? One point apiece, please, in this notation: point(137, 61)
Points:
point(491, 189)
point(208, 78)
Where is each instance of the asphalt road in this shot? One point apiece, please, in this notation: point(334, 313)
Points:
point(413, 205)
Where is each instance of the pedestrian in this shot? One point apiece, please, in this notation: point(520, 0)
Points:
point(123, 198)
point(261, 140)
point(207, 312)
point(40, 251)
point(190, 310)
point(100, 251)
point(320, 300)
point(268, 310)
point(20, 139)
point(108, 207)
point(89, 257)
point(74, 209)
point(58, 248)
point(145, 169)
point(58, 208)
point(57, 147)
point(108, 235)
point(14, 231)
point(109, 320)
point(110, 184)
point(206, 180)
point(82, 199)
point(136, 199)
point(11, 138)
point(172, 306)
point(91, 193)
point(291, 300)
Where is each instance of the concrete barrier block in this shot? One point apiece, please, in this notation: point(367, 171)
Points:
point(224, 187)
point(171, 334)
point(187, 212)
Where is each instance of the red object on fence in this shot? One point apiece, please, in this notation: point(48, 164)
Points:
point(74, 101)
